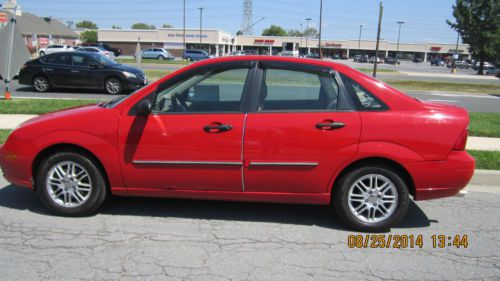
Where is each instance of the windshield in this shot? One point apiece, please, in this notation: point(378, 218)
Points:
point(103, 60)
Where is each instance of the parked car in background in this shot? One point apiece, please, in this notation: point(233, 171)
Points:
point(336, 57)
point(79, 69)
point(196, 55)
point(391, 60)
point(237, 53)
point(312, 56)
point(493, 71)
point(50, 49)
point(417, 60)
point(437, 62)
point(338, 138)
point(361, 58)
point(486, 65)
point(157, 53)
point(97, 50)
point(372, 60)
point(460, 64)
point(116, 51)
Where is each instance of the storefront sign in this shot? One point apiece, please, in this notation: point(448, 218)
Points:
point(333, 45)
point(3, 20)
point(263, 41)
point(435, 49)
point(43, 40)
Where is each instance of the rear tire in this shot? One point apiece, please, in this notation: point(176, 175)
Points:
point(42, 54)
point(113, 86)
point(189, 59)
point(371, 198)
point(70, 184)
point(161, 57)
point(41, 84)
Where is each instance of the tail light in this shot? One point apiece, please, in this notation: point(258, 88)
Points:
point(461, 141)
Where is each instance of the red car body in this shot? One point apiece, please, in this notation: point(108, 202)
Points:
point(424, 140)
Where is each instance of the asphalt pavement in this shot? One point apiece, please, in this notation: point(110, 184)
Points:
point(166, 239)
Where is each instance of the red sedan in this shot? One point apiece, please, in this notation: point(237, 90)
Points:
point(249, 128)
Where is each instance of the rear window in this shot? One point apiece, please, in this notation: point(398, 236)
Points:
point(362, 97)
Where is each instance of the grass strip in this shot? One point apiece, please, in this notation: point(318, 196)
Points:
point(445, 87)
point(38, 106)
point(4, 133)
point(152, 61)
point(488, 160)
point(484, 124)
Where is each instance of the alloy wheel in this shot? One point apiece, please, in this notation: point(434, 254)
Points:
point(41, 84)
point(68, 184)
point(113, 86)
point(372, 198)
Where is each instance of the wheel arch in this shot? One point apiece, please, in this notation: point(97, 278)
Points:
point(379, 162)
point(42, 75)
point(68, 147)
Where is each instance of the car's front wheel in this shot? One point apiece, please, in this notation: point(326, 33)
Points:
point(70, 184)
point(42, 53)
point(161, 57)
point(41, 84)
point(113, 86)
point(371, 198)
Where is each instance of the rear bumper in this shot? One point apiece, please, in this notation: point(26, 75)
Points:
point(437, 179)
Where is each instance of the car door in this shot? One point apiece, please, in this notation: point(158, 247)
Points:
point(146, 54)
point(82, 75)
point(300, 130)
point(57, 68)
point(193, 138)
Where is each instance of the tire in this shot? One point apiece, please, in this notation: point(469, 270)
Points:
point(348, 197)
point(161, 57)
point(189, 59)
point(113, 86)
point(42, 54)
point(61, 194)
point(41, 84)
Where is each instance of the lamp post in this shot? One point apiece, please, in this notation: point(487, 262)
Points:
point(307, 34)
point(201, 22)
point(301, 34)
point(184, 29)
point(359, 40)
point(399, 35)
point(320, 21)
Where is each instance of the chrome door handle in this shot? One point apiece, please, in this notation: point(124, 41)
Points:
point(47, 69)
point(75, 71)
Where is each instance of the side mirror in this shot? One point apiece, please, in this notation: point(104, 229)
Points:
point(144, 108)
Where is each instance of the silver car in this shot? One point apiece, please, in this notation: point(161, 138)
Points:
point(157, 53)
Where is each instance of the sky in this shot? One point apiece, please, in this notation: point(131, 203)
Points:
point(424, 19)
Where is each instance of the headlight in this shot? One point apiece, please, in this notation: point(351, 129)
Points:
point(129, 74)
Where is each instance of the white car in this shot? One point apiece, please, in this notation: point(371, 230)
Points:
point(50, 49)
point(237, 53)
point(98, 50)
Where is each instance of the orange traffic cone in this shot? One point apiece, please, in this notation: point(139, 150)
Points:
point(7, 95)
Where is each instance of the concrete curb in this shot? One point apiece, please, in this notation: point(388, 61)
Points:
point(485, 181)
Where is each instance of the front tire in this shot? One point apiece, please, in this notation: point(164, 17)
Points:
point(161, 57)
point(371, 198)
point(42, 54)
point(41, 84)
point(70, 184)
point(113, 86)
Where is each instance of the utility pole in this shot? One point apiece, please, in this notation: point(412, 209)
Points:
point(201, 23)
point(381, 10)
point(320, 21)
point(307, 34)
point(184, 29)
point(359, 40)
point(301, 35)
point(399, 35)
point(9, 54)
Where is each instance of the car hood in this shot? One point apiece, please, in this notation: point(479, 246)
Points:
point(65, 113)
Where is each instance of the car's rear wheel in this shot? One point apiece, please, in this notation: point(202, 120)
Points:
point(161, 57)
point(189, 59)
point(371, 198)
point(42, 54)
point(113, 86)
point(70, 184)
point(41, 84)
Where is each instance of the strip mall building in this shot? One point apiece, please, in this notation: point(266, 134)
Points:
point(219, 43)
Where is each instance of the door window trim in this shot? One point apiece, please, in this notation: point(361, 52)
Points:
point(223, 66)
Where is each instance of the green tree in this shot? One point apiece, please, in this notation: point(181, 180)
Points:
point(274, 30)
point(86, 24)
point(141, 25)
point(116, 27)
point(167, 25)
point(89, 36)
point(311, 32)
point(478, 23)
point(294, 33)
point(239, 33)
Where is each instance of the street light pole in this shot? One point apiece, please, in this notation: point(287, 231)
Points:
point(184, 29)
point(359, 40)
point(399, 35)
point(301, 35)
point(381, 11)
point(201, 23)
point(320, 21)
point(307, 34)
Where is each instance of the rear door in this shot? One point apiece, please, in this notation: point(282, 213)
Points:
point(57, 67)
point(300, 131)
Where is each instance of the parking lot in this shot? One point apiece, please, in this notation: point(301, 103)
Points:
point(166, 239)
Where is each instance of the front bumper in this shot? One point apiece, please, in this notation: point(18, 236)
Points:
point(136, 83)
point(14, 168)
point(437, 179)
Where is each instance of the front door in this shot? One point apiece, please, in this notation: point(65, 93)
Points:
point(297, 137)
point(193, 139)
